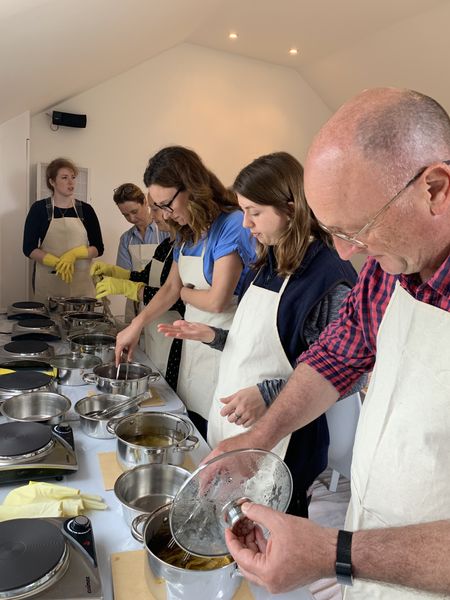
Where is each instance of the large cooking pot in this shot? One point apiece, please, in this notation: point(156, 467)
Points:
point(73, 304)
point(70, 368)
point(102, 345)
point(152, 437)
point(95, 426)
point(83, 320)
point(211, 578)
point(133, 378)
point(41, 407)
point(146, 488)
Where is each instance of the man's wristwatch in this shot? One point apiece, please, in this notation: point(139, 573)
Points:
point(344, 573)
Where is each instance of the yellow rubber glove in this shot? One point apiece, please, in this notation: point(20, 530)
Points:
point(101, 268)
point(65, 266)
point(6, 371)
point(39, 498)
point(50, 260)
point(110, 286)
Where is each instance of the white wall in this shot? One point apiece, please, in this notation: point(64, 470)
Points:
point(14, 169)
point(228, 108)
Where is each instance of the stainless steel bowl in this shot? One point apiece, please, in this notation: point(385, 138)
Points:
point(94, 426)
point(146, 488)
point(70, 368)
point(41, 407)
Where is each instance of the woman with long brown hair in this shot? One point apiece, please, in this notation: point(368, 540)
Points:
point(294, 291)
point(210, 256)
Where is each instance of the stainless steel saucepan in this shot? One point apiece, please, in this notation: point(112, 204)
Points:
point(146, 488)
point(152, 437)
point(70, 368)
point(131, 380)
point(79, 304)
point(102, 345)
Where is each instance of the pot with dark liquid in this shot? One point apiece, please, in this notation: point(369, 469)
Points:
point(152, 437)
point(187, 577)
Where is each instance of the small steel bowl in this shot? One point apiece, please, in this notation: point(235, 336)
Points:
point(95, 426)
point(147, 487)
point(41, 407)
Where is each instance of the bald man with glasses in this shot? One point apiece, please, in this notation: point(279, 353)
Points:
point(377, 177)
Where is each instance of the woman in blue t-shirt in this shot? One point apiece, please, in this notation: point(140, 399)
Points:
point(211, 253)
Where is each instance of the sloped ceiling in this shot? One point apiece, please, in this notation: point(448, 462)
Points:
point(51, 50)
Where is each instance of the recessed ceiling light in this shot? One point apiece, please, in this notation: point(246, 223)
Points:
point(293, 51)
point(233, 35)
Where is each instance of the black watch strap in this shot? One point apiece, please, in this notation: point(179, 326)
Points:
point(344, 558)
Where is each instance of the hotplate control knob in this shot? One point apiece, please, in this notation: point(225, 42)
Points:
point(80, 524)
point(79, 529)
point(64, 431)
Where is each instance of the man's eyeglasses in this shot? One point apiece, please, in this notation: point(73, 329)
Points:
point(167, 207)
point(354, 239)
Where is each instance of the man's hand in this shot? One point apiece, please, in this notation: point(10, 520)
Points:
point(296, 553)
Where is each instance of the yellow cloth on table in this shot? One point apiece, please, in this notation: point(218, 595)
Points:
point(41, 499)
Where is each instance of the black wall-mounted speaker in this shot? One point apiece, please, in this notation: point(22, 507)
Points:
point(68, 119)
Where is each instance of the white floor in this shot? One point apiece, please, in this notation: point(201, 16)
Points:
point(328, 508)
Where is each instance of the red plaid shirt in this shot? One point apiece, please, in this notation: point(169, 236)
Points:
point(347, 347)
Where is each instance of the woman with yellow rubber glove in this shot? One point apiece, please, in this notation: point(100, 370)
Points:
point(165, 353)
point(138, 244)
point(210, 258)
point(62, 235)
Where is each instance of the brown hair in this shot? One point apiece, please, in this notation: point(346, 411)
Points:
point(52, 170)
point(128, 192)
point(277, 180)
point(183, 169)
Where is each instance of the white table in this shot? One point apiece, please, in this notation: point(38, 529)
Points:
point(110, 530)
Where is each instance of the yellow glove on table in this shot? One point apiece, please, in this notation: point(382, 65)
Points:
point(50, 260)
point(101, 268)
point(65, 265)
point(110, 286)
point(41, 499)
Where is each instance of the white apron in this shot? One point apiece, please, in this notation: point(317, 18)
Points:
point(141, 255)
point(199, 366)
point(157, 346)
point(253, 352)
point(63, 234)
point(401, 459)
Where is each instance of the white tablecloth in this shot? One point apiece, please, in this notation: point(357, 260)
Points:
point(111, 533)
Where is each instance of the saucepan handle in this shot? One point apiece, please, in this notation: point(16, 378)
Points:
point(90, 378)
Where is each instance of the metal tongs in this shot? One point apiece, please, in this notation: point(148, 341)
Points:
point(110, 411)
point(121, 363)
